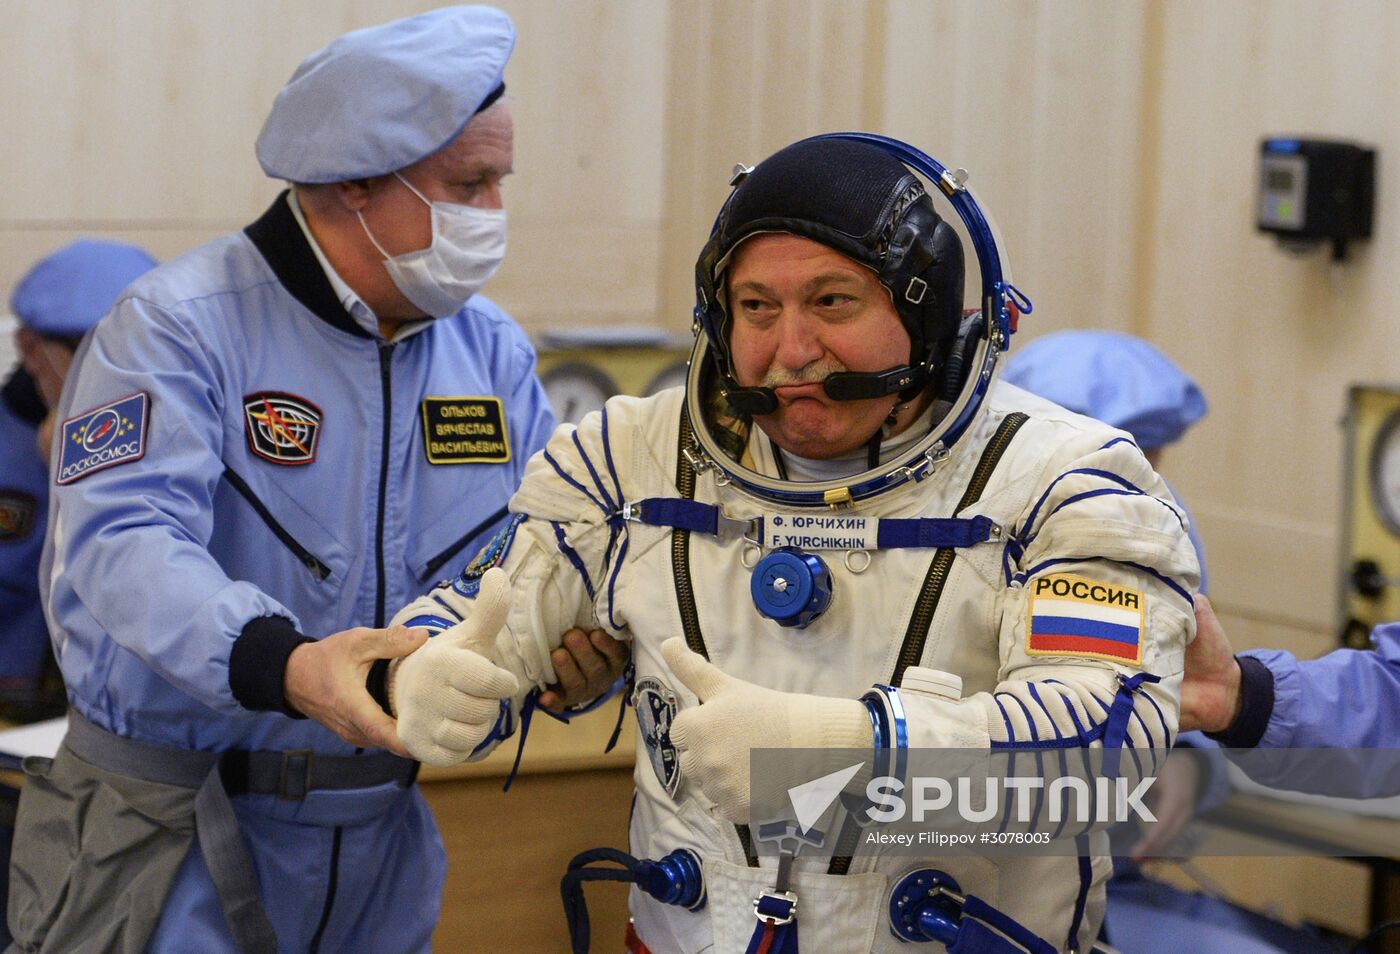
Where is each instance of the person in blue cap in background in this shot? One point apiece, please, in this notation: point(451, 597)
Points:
point(267, 442)
point(1120, 380)
point(1128, 383)
point(56, 302)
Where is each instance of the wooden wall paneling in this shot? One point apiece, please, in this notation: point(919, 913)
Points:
point(142, 117)
point(20, 248)
point(1079, 158)
point(714, 87)
point(744, 80)
point(506, 853)
point(142, 112)
point(586, 88)
point(1329, 891)
point(1042, 105)
point(587, 93)
point(1273, 339)
point(1253, 628)
point(689, 185)
point(137, 121)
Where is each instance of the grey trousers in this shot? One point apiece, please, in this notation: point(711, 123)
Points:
point(102, 831)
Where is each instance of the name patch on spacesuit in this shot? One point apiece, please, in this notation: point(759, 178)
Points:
point(17, 510)
point(818, 531)
point(1074, 616)
point(103, 437)
point(655, 705)
point(281, 427)
point(465, 430)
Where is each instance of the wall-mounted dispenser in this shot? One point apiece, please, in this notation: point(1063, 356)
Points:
point(1313, 191)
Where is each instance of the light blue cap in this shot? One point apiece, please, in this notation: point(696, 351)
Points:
point(66, 292)
point(379, 99)
point(1115, 378)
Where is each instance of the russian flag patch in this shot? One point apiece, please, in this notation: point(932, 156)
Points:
point(1074, 616)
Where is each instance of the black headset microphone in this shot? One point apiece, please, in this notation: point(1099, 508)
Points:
point(839, 386)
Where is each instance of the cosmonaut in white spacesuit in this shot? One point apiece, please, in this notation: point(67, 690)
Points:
point(841, 492)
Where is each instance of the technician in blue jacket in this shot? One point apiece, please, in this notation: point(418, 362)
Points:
point(270, 443)
point(1269, 699)
point(56, 302)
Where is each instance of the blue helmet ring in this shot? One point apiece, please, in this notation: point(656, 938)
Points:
point(966, 372)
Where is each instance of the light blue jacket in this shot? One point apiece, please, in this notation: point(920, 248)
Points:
point(1322, 725)
point(1346, 699)
point(272, 485)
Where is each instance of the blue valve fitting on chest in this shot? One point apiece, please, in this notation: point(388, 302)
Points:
point(791, 587)
point(676, 879)
point(926, 906)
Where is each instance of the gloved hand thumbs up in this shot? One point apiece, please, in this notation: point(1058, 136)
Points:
point(734, 716)
point(698, 674)
point(477, 634)
point(446, 694)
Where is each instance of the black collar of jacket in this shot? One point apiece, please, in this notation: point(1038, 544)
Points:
point(280, 240)
point(22, 396)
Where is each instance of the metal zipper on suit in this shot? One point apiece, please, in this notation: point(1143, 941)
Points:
point(307, 558)
point(386, 353)
point(680, 549)
point(916, 633)
point(435, 564)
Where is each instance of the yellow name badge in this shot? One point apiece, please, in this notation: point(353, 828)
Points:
point(465, 430)
point(1075, 616)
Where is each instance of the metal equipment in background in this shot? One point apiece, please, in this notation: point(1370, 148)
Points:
point(582, 368)
point(1370, 578)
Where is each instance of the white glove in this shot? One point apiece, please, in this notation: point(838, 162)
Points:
point(734, 716)
point(446, 694)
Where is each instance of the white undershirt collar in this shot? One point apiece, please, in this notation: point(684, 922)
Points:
point(362, 314)
point(806, 469)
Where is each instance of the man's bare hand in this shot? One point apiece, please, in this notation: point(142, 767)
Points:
point(1173, 800)
point(1210, 692)
point(325, 681)
point(585, 666)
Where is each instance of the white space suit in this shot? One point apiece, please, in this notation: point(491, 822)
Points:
point(1071, 497)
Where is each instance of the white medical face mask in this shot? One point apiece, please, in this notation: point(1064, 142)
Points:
point(467, 248)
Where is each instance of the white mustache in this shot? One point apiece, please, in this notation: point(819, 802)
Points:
point(815, 373)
